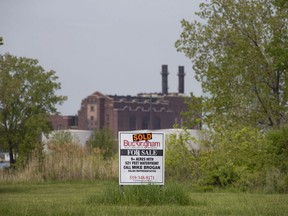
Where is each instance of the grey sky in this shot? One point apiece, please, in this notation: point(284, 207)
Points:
point(111, 46)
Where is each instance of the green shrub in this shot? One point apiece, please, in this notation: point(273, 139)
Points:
point(276, 181)
point(103, 140)
point(278, 147)
point(180, 160)
point(277, 157)
point(228, 157)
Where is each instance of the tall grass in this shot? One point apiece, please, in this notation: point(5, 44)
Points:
point(139, 195)
point(64, 162)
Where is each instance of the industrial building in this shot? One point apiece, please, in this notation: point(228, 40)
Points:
point(123, 113)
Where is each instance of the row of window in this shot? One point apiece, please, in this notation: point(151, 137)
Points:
point(145, 123)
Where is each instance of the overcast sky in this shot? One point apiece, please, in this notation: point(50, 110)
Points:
point(110, 46)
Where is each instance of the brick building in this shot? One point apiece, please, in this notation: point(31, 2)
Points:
point(60, 122)
point(144, 111)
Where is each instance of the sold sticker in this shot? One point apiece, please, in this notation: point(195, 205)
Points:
point(142, 136)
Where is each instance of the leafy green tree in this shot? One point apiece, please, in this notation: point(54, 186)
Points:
point(27, 97)
point(193, 116)
point(103, 139)
point(239, 53)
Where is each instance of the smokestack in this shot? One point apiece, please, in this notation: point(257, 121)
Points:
point(164, 74)
point(181, 75)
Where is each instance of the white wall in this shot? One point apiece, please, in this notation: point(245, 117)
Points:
point(79, 136)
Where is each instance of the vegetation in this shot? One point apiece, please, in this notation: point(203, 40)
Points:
point(239, 54)
point(240, 57)
point(63, 161)
point(103, 140)
point(61, 137)
point(149, 195)
point(1, 40)
point(180, 158)
point(242, 158)
point(27, 97)
point(77, 198)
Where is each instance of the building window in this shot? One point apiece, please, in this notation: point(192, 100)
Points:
point(145, 122)
point(92, 108)
point(157, 123)
point(132, 123)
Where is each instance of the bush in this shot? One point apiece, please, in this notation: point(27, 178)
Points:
point(180, 159)
point(277, 168)
point(278, 147)
point(103, 140)
point(228, 157)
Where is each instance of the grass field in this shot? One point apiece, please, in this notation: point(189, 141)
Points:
point(71, 198)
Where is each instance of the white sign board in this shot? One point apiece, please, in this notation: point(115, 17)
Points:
point(141, 158)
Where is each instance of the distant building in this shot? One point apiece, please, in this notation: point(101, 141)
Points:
point(122, 113)
point(60, 122)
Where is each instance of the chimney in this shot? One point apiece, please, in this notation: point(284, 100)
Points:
point(181, 75)
point(164, 74)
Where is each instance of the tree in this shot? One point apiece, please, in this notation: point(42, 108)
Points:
point(1, 40)
point(103, 139)
point(27, 97)
point(192, 116)
point(239, 54)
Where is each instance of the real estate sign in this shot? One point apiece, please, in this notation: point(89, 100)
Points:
point(141, 158)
